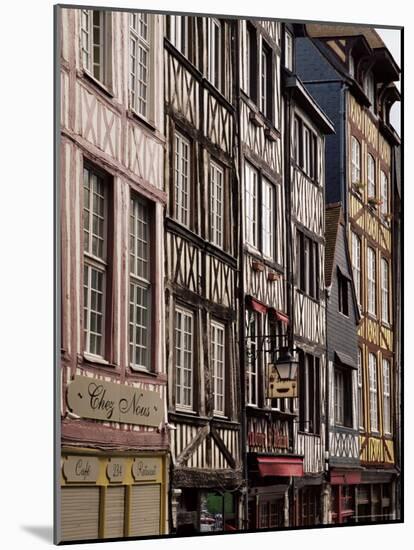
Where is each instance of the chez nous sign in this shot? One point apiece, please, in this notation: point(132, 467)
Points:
point(100, 400)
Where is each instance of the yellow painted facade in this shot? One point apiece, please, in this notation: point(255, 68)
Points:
point(375, 336)
point(157, 468)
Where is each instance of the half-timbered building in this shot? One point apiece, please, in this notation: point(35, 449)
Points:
point(343, 377)
point(351, 74)
point(269, 445)
point(114, 445)
point(306, 125)
point(201, 240)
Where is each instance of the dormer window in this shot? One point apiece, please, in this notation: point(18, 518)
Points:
point(370, 90)
point(351, 66)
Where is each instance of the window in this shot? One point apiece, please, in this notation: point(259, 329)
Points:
point(351, 65)
point(369, 87)
point(306, 149)
point(288, 51)
point(343, 305)
point(218, 366)
point(139, 53)
point(307, 265)
point(94, 43)
point(356, 264)
point(356, 161)
point(139, 285)
point(342, 397)
point(372, 282)
point(360, 390)
point(251, 205)
point(266, 81)
point(214, 53)
point(251, 62)
point(268, 219)
point(178, 32)
point(386, 368)
point(384, 194)
point(182, 180)
point(373, 391)
point(252, 362)
point(216, 204)
point(309, 393)
point(184, 381)
point(271, 513)
point(371, 177)
point(385, 284)
point(95, 266)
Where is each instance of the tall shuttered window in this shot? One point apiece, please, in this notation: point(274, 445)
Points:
point(384, 194)
point(216, 204)
point(355, 160)
point(309, 393)
point(371, 177)
point(360, 390)
point(372, 281)
point(385, 285)
point(218, 339)
point(215, 53)
point(184, 364)
point(95, 43)
point(373, 391)
point(307, 265)
point(252, 360)
point(139, 56)
point(356, 264)
point(251, 205)
point(95, 265)
point(139, 285)
point(386, 374)
point(182, 180)
point(268, 219)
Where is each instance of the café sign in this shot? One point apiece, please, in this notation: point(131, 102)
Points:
point(81, 469)
point(100, 400)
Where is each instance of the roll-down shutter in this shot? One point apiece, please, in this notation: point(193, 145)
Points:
point(79, 513)
point(145, 510)
point(114, 512)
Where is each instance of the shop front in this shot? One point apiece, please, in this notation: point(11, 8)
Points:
point(105, 496)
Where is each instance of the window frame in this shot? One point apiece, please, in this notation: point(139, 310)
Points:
point(373, 392)
point(387, 403)
point(216, 168)
point(218, 326)
point(385, 291)
point(179, 388)
point(253, 363)
point(384, 194)
point(360, 382)
point(177, 203)
point(343, 294)
point(309, 393)
point(288, 57)
point(142, 43)
point(372, 281)
point(251, 206)
point(307, 265)
point(371, 176)
point(355, 160)
point(97, 262)
point(268, 234)
point(357, 264)
point(142, 282)
point(215, 52)
point(86, 32)
point(343, 414)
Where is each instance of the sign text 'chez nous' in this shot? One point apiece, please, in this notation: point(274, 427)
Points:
point(100, 400)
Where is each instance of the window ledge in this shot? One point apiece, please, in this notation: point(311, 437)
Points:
point(97, 83)
point(138, 370)
point(139, 118)
point(91, 358)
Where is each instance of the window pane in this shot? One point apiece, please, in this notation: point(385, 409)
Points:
point(184, 358)
point(218, 369)
point(181, 178)
point(216, 204)
point(268, 221)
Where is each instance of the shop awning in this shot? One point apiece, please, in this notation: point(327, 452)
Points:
point(255, 305)
point(280, 466)
point(279, 315)
point(345, 477)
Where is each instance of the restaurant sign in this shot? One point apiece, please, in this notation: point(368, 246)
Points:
point(145, 469)
point(92, 398)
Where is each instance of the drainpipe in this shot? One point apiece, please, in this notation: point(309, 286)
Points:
point(242, 311)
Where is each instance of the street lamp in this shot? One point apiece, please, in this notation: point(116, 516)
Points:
point(286, 366)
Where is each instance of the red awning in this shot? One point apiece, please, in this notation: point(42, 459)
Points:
point(280, 466)
point(282, 317)
point(343, 477)
point(254, 304)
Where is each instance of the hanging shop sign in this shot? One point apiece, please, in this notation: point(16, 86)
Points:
point(279, 388)
point(146, 468)
point(81, 469)
point(116, 469)
point(92, 398)
point(271, 439)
